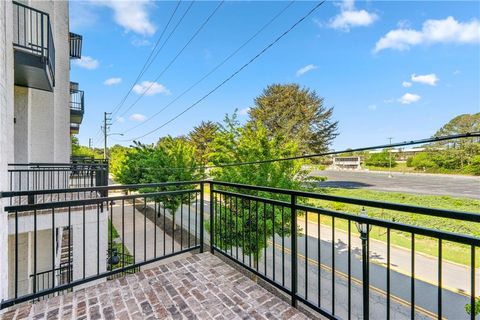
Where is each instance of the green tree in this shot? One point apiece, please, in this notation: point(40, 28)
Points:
point(201, 137)
point(467, 147)
point(117, 154)
point(297, 114)
point(171, 160)
point(83, 151)
point(381, 159)
point(244, 144)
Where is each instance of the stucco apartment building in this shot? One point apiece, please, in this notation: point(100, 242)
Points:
point(40, 107)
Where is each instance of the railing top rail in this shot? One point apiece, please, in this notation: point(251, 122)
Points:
point(7, 194)
point(99, 200)
point(30, 8)
point(443, 213)
point(66, 164)
point(453, 214)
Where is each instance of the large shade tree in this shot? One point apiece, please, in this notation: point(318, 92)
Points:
point(201, 138)
point(296, 114)
point(241, 221)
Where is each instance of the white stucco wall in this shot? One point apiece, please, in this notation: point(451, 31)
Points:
point(6, 131)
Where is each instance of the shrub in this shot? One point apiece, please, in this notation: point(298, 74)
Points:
point(474, 166)
point(422, 160)
point(381, 159)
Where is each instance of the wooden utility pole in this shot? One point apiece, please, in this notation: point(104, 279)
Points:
point(106, 126)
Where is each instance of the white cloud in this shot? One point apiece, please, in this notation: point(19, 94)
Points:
point(408, 98)
point(349, 17)
point(307, 68)
point(112, 81)
point(137, 117)
point(132, 15)
point(120, 119)
point(150, 88)
point(430, 79)
point(87, 63)
point(244, 111)
point(447, 30)
point(406, 84)
point(372, 107)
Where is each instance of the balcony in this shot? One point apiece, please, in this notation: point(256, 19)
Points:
point(74, 128)
point(211, 249)
point(34, 50)
point(75, 46)
point(77, 104)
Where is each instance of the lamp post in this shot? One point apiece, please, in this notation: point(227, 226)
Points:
point(364, 229)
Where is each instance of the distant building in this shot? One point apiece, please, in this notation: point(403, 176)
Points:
point(346, 163)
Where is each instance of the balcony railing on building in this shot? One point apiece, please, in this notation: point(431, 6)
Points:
point(77, 104)
point(319, 258)
point(75, 46)
point(34, 48)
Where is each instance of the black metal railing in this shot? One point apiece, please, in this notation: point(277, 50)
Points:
point(77, 101)
point(75, 46)
point(55, 176)
point(325, 259)
point(45, 280)
point(32, 33)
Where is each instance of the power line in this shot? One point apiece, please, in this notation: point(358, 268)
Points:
point(175, 58)
point(215, 68)
point(329, 153)
point(149, 59)
point(234, 74)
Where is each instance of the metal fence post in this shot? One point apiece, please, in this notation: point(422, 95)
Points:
point(201, 215)
point(293, 218)
point(212, 227)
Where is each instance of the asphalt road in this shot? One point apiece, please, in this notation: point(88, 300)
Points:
point(453, 185)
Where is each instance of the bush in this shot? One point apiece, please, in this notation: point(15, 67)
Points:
point(381, 159)
point(422, 160)
point(474, 166)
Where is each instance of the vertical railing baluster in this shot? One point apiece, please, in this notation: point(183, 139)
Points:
point(388, 273)
point(188, 219)
point(439, 287)
point(155, 228)
point(197, 234)
point(202, 204)
point(333, 265)
point(69, 241)
point(349, 310)
point(98, 237)
point(412, 279)
point(293, 203)
point(34, 251)
point(283, 246)
point(164, 228)
point(16, 254)
point(472, 283)
point(134, 230)
point(319, 266)
point(212, 214)
point(256, 236)
point(53, 244)
point(83, 240)
point(181, 222)
point(273, 241)
point(144, 229)
point(306, 255)
point(123, 233)
point(236, 226)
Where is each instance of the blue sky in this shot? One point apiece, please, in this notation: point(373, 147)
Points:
point(389, 69)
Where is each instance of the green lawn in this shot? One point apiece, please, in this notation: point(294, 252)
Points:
point(451, 251)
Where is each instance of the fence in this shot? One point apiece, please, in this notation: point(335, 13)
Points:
point(322, 258)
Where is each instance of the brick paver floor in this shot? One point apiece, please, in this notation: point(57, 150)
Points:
point(196, 287)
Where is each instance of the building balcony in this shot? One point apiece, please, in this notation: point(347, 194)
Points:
point(34, 50)
point(74, 128)
point(77, 104)
point(174, 250)
point(75, 46)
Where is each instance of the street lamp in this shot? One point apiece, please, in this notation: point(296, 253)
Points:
point(364, 229)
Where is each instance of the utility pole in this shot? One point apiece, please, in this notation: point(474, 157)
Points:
point(90, 143)
point(105, 127)
point(390, 157)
